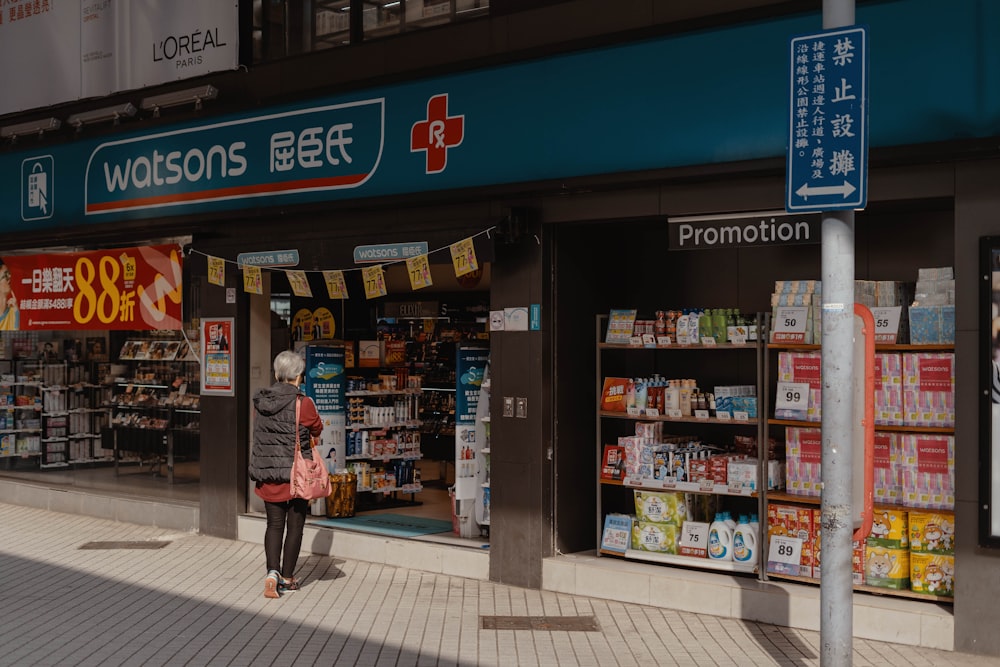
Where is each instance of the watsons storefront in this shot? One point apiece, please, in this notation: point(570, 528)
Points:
point(576, 222)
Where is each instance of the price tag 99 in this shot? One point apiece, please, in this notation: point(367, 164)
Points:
point(792, 396)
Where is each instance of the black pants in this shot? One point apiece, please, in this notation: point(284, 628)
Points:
point(291, 513)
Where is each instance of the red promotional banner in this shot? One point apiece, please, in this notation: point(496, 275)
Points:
point(126, 288)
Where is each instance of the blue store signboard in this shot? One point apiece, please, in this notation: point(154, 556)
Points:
point(705, 97)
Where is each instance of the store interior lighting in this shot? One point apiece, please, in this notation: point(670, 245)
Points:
point(113, 113)
point(178, 98)
point(39, 127)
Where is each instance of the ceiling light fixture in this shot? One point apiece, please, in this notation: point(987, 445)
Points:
point(114, 113)
point(178, 98)
point(38, 127)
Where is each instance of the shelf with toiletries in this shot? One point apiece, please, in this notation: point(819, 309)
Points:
point(681, 497)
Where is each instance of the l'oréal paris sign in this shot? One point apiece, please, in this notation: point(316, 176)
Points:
point(744, 229)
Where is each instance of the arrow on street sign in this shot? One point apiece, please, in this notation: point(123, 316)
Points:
point(844, 190)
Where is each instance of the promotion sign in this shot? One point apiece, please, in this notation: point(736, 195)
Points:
point(123, 289)
point(218, 375)
point(324, 384)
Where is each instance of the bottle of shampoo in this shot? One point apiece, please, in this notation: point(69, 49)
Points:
point(682, 328)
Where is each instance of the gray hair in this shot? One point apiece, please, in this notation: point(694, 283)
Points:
point(288, 365)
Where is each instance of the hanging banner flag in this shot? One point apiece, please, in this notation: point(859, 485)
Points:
point(335, 285)
point(463, 256)
point(127, 288)
point(216, 271)
point(299, 283)
point(252, 281)
point(374, 280)
point(419, 270)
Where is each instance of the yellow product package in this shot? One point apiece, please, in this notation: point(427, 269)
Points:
point(658, 537)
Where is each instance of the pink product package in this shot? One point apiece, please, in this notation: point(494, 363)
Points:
point(803, 368)
point(929, 389)
point(803, 451)
point(927, 471)
point(887, 467)
point(889, 389)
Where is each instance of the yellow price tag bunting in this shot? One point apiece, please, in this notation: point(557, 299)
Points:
point(335, 285)
point(374, 280)
point(419, 271)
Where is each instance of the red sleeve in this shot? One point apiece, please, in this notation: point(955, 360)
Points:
point(310, 418)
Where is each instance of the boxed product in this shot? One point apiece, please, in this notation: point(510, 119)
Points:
point(889, 389)
point(802, 367)
point(660, 507)
point(741, 473)
point(927, 470)
point(887, 568)
point(886, 469)
point(889, 529)
point(929, 389)
point(654, 536)
point(796, 522)
point(932, 532)
point(933, 574)
point(803, 453)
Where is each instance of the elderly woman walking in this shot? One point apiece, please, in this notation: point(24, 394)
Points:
point(271, 466)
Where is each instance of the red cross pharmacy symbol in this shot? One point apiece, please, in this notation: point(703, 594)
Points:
point(437, 134)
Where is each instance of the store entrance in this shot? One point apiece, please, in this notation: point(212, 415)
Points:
point(408, 442)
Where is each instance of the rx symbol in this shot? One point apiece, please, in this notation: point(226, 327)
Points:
point(437, 134)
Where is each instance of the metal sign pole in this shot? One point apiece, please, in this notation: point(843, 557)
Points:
point(836, 582)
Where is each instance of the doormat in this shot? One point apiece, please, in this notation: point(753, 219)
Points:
point(397, 525)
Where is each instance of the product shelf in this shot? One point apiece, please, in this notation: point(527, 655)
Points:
point(879, 347)
point(686, 561)
point(862, 588)
point(780, 497)
point(687, 487)
point(614, 356)
point(677, 347)
point(941, 430)
point(694, 420)
point(773, 497)
point(413, 423)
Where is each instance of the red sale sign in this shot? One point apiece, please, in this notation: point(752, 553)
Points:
point(127, 288)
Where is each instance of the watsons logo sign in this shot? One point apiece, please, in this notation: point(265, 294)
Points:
point(324, 148)
point(746, 229)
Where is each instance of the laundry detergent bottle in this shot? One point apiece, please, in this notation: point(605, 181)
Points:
point(744, 541)
point(720, 539)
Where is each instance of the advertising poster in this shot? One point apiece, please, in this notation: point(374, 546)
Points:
point(470, 368)
point(218, 371)
point(124, 289)
point(91, 48)
point(324, 384)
